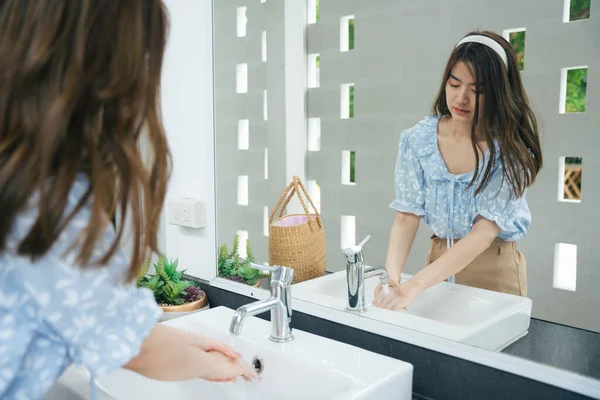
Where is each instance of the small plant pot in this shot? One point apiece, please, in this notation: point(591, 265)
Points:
point(170, 312)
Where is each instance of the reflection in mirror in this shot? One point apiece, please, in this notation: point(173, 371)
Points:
point(430, 143)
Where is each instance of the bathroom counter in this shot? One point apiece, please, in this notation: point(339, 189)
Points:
point(435, 374)
point(562, 346)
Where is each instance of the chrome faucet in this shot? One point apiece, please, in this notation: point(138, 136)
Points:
point(280, 305)
point(356, 272)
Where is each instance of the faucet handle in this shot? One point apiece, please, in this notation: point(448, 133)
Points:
point(281, 274)
point(365, 240)
point(356, 249)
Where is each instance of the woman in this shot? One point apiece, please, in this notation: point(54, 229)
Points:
point(79, 85)
point(466, 171)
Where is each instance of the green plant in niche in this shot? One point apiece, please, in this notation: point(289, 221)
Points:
point(353, 166)
point(167, 283)
point(351, 111)
point(517, 41)
point(576, 90)
point(579, 9)
point(351, 34)
point(231, 266)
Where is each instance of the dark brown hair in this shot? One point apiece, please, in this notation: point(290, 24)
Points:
point(507, 116)
point(79, 86)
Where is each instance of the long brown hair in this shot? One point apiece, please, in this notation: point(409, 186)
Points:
point(79, 86)
point(507, 116)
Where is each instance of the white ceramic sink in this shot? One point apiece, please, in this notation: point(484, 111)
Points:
point(308, 367)
point(478, 317)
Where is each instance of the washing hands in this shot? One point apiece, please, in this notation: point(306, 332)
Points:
point(397, 296)
point(172, 354)
point(226, 364)
point(228, 369)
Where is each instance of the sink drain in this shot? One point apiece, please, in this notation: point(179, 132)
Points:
point(258, 364)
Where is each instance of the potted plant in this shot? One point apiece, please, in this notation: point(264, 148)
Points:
point(173, 294)
point(233, 267)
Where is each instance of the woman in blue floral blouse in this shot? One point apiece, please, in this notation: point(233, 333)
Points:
point(79, 84)
point(465, 171)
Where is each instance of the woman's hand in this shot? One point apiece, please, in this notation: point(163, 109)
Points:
point(224, 371)
point(171, 354)
point(209, 344)
point(221, 368)
point(391, 284)
point(398, 297)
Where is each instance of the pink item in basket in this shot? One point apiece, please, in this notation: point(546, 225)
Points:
point(292, 220)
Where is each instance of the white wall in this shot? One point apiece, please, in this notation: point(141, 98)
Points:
point(187, 103)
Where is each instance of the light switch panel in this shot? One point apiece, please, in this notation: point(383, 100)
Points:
point(187, 212)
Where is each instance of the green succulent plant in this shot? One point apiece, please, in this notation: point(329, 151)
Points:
point(167, 284)
point(234, 267)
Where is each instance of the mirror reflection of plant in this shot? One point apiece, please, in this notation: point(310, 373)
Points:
point(236, 268)
point(167, 284)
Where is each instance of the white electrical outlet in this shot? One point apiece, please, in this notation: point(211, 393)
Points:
point(187, 212)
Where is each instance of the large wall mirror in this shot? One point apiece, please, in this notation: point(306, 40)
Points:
point(369, 71)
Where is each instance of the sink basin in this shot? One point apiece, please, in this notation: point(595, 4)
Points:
point(478, 317)
point(308, 367)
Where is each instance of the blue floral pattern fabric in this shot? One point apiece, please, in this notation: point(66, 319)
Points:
point(53, 314)
point(426, 188)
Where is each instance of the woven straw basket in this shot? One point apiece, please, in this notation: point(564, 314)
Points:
point(297, 240)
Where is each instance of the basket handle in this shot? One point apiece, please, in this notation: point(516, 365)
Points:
point(292, 189)
point(283, 196)
point(295, 190)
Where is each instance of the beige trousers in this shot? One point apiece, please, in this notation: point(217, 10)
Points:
point(502, 267)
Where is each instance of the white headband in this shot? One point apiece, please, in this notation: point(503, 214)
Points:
point(491, 43)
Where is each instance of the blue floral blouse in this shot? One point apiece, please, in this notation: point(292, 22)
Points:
point(53, 314)
point(426, 188)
